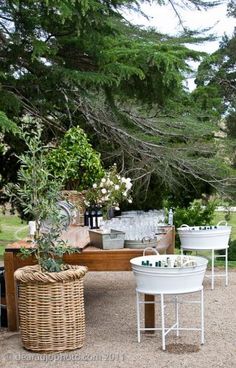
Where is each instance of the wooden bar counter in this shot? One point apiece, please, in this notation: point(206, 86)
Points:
point(95, 259)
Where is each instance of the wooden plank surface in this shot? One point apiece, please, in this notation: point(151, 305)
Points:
point(95, 259)
point(10, 291)
point(149, 312)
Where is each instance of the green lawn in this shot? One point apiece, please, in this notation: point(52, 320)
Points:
point(11, 229)
point(221, 216)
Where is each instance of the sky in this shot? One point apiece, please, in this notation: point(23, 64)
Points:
point(164, 19)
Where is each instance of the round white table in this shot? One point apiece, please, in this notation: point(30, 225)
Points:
point(212, 248)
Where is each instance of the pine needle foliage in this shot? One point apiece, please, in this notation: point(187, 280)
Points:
point(81, 62)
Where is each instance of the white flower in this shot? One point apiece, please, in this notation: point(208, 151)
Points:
point(103, 180)
point(125, 194)
point(103, 190)
point(123, 180)
point(101, 185)
point(117, 187)
point(109, 182)
point(130, 200)
point(128, 185)
point(117, 208)
point(94, 185)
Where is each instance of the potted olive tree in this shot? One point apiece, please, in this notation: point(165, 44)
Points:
point(50, 300)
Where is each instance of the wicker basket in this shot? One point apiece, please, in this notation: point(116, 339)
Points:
point(51, 308)
point(77, 199)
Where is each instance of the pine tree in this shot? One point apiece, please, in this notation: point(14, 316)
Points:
point(216, 85)
point(71, 62)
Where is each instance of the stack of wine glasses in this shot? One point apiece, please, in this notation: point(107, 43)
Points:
point(137, 225)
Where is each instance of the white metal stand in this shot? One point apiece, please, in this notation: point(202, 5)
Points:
point(175, 327)
point(213, 257)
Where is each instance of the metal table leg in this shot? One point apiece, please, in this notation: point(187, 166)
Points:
point(202, 317)
point(163, 323)
point(226, 267)
point(177, 315)
point(138, 315)
point(212, 269)
point(175, 327)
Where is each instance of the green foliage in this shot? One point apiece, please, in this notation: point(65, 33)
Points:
point(208, 99)
point(217, 72)
point(216, 76)
point(74, 161)
point(231, 7)
point(232, 250)
point(82, 62)
point(37, 191)
point(7, 125)
point(231, 124)
point(198, 213)
point(9, 103)
point(50, 249)
point(216, 90)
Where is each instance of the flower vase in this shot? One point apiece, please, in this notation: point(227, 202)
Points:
point(111, 213)
point(108, 213)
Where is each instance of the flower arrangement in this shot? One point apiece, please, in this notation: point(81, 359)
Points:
point(110, 191)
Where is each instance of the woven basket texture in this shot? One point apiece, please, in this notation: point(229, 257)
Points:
point(51, 308)
point(77, 199)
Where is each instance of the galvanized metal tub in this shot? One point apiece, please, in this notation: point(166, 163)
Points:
point(168, 280)
point(204, 237)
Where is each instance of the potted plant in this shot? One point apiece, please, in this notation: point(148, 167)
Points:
point(50, 300)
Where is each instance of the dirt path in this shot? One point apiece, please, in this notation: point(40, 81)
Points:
point(111, 339)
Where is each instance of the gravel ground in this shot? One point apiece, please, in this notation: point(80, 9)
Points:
point(111, 339)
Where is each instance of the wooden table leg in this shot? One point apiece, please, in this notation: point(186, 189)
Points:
point(149, 312)
point(171, 247)
point(10, 291)
point(149, 309)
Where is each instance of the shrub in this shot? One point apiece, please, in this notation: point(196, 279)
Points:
point(195, 215)
point(232, 250)
point(75, 161)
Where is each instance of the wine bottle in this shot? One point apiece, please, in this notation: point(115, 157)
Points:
point(170, 217)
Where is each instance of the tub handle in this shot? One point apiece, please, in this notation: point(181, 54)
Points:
point(150, 248)
point(146, 239)
point(222, 221)
point(189, 261)
point(184, 225)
